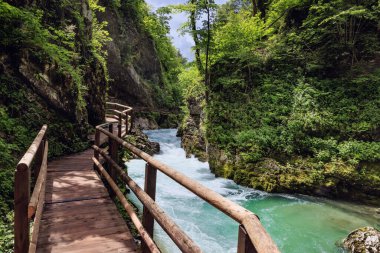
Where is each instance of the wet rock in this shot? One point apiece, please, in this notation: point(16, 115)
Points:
point(145, 123)
point(194, 106)
point(192, 139)
point(141, 141)
point(192, 136)
point(363, 240)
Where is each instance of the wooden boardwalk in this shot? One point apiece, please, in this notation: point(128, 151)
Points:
point(70, 210)
point(79, 215)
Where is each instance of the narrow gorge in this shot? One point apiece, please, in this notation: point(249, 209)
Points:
point(273, 104)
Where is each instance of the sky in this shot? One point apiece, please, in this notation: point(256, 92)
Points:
point(183, 42)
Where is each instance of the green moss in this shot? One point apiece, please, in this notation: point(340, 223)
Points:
point(228, 170)
point(334, 179)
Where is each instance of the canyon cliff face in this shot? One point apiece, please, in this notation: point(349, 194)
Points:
point(133, 64)
point(141, 75)
point(47, 80)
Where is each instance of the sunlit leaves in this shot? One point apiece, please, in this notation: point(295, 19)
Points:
point(240, 35)
point(190, 80)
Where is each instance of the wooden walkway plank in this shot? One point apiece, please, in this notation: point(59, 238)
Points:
point(79, 215)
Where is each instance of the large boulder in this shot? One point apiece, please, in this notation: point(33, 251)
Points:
point(363, 240)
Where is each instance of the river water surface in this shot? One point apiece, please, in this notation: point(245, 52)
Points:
point(298, 224)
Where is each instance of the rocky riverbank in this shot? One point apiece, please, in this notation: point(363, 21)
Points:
point(335, 179)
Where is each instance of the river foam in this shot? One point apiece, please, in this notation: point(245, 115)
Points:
point(296, 223)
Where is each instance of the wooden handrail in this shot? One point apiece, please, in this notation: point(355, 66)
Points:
point(28, 157)
point(144, 235)
point(119, 105)
point(39, 184)
point(257, 237)
point(39, 203)
point(26, 207)
point(183, 241)
point(113, 110)
point(121, 116)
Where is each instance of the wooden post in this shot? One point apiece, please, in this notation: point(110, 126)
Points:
point(131, 120)
point(113, 151)
point(120, 125)
point(150, 189)
point(126, 123)
point(21, 202)
point(244, 243)
point(97, 143)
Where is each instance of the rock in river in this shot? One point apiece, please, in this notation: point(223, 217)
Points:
point(363, 240)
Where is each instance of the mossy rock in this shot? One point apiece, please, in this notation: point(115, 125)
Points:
point(363, 240)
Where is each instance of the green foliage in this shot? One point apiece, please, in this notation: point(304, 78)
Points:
point(190, 81)
point(239, 36)
point(13, 137)
point(297, 83)
point(356, 151)
point(23, 29)
point(284, 105)
point(342, 26)
point(100, 35)
point(6, 233)
point(61, 46)
point(21, 117)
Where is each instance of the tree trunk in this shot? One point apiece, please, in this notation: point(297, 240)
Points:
point(254, 7)
point(207, 72)
point(193, 23)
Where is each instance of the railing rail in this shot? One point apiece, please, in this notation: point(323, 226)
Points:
point(26, 206)
point(252, 235)
point(179, 237)
point(123, 114)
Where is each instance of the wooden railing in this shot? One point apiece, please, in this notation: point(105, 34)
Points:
point(32, 165)
point(252, 236)
point(121, 113)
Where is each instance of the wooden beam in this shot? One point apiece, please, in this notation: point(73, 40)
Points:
point(22, 195)
point(38, 186)
point(37, 220)
point(29, 155)
point(21, 202)
point(126, 123)
point(257, 234)
point(183, 241)
point(97, 143)
point(152, 247)
point(38, 160)
point(244, 243)
point(150, 189)
point(119, 105)
point(119, 125)
point(113, 151)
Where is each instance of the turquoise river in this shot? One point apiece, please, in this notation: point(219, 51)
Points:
point(298, 224)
